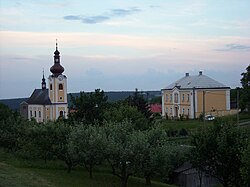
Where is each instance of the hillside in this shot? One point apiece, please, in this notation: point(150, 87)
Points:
point(16, 172)
point(112, 97)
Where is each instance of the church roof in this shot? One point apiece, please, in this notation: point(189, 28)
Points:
point(196, 81)
point(39, 97)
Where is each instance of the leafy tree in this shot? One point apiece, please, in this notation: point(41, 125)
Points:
point(154, 156)
point(89, 107)
point(60, 147)
point(138, 101)
point(122, 111)
point(245, 170)
point(156, 99)
point(217, 151)
point(88, 144)
point(125, 149)
point(5, 112)
point(11, 128)
point(245, 92)
point(161, 157)
point(39, 141)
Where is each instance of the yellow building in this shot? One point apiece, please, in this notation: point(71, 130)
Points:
point(191, 96)
point(48, 103)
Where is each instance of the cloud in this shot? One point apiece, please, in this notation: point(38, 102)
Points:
point(154, 6)
point(235, 47)
point(71, 17)
point(113, 13)
point(124, 12)
point(95, 19)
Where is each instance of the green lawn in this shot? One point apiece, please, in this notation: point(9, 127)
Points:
point(16, 172)
point(192, 125)
point(177, 125)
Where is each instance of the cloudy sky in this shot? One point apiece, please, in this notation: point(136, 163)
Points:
point(122, 45)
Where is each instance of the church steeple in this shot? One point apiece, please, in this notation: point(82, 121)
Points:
point(43, 82)
point(57, 69)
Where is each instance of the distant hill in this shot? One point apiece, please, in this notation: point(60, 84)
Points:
point(112, 97)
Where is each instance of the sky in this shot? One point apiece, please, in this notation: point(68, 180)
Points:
point(119, 45)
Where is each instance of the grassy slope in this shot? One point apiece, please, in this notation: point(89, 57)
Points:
point(18, 173)
point(17, 177)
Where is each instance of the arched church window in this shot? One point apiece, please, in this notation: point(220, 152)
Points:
point(60, 86)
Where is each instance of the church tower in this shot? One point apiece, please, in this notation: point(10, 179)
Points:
point(58, 89)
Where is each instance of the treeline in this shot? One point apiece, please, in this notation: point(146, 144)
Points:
point(125, 137)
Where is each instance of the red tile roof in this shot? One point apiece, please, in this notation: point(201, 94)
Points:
point(155, 108)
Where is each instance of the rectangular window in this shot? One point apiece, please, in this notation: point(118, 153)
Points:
point(183, 110)
point(171, 110)
point(188, 97)
point(188, 111)
point(166, 110)
point(50, 87)
point(171, 97)
point(176, 98)
point(166, 97)
point(31, 113)
point(183, 97)
point(39, 114)
point(35, 113)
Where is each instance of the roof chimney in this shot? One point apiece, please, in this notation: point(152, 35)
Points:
point(187, 74)
point(200, 72)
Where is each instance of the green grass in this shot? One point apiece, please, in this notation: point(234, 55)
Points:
point(18, 177)
point(16, 172)
point(192, 125)
point(177, 125)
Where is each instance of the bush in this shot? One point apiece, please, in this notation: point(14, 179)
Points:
point(183, 132)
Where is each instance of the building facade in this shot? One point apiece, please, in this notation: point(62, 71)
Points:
point(192, 96)
point(48, 104)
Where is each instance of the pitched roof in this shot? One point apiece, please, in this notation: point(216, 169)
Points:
point(197, 81)
point(155, 108)
point(39, 97)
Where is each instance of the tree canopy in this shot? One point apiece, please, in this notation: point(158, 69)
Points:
point(218, 152)
point(88, 107)
point(245, 92)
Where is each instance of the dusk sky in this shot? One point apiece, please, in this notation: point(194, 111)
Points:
point(122, 44)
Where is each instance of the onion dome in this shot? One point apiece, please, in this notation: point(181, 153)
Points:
point(57, 69)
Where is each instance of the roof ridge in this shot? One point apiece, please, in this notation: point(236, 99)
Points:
point(197, 81)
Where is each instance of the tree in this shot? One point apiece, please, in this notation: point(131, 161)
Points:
point(39, 141)
point(160, 157)
point(88, 144)
point(121, 111)
point(245, 92)
point(11, 128)
point(217, 152)
point(245, 170)
point(61, 144)
point(138, 101)
point(88, 107)
point(125, 149)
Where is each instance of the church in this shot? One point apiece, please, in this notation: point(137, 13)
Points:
point(48, 104)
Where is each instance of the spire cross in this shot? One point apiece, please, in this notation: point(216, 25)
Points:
point(43, 73)
point(56, 44)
